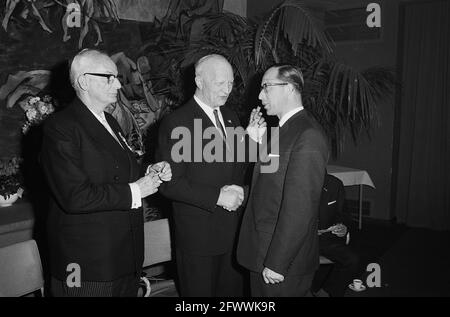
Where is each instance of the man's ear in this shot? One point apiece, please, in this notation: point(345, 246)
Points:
point(199, 82)
point(82, 82)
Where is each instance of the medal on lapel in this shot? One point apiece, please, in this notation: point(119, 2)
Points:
point(125, 142)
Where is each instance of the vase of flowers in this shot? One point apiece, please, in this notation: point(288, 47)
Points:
point(10, 185)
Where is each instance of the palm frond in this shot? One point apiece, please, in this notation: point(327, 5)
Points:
point(298, 25)
point(225, 26)
point(342, 98)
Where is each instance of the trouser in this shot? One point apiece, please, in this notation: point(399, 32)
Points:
point(336, 277)
point(292, 286)
point(209, 276)
point(123, 287)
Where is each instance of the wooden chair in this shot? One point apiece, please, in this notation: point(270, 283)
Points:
point(20, 269)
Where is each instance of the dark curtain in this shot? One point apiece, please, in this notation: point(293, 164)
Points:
point(423, 179)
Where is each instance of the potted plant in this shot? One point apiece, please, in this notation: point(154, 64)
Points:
point(10, 185)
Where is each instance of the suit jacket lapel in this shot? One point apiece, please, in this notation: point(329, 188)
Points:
point(94, 128)
point(206, 121)
point(200, 114)
point(276, 138)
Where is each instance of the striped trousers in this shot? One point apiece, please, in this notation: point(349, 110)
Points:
point(124, 287)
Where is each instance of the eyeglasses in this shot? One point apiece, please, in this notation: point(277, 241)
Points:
point(110, 77)
point(265, 85)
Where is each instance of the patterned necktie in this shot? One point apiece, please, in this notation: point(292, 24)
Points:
point(218, 123)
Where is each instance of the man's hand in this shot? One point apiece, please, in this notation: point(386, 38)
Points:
point(161, 169)
point(231, 197)
point(271, 277)
point(148, 184)
point(257, 125)
point(340, 230)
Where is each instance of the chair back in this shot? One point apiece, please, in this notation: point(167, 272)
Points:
point(157, 242)
point(20, 269)
point(157, 250)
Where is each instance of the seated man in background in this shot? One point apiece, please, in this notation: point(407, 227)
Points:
point(333, 241)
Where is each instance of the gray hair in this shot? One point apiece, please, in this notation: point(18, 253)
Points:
point(82, 62)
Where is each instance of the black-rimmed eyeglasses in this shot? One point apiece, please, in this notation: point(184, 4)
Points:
point(265, 85)
point(110, 77)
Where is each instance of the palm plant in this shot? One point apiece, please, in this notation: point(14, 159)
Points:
point(340, 97)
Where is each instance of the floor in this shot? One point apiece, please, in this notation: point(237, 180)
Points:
point(413, 262)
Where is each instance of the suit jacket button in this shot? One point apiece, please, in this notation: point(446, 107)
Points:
point(116, 178)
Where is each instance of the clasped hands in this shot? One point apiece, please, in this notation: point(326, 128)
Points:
point(231, 197)
point(154, 176)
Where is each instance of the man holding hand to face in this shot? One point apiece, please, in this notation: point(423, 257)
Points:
point(207, 194)
point(278, 241)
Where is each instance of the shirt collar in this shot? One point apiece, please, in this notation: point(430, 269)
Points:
point(288, 115)
point(207, 109)
point(100, 117)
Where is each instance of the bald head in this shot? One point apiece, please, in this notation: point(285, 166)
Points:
point(214, 80)
point(210, 63)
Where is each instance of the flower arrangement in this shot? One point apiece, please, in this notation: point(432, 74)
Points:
point(36, 110)
point(9, 177)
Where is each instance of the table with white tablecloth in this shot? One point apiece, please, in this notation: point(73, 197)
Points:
point(350, 176)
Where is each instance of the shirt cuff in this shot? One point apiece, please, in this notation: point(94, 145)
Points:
point(136, 198)
point(256, 133)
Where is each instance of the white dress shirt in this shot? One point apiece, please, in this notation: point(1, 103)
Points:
point(288, 115)
point(210, 113)
point(255, 133)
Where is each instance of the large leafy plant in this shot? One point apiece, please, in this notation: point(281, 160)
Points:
point(10, 182)
point(339, 96)
point(343, 99)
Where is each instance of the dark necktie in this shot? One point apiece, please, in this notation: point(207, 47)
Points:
point(218, 123)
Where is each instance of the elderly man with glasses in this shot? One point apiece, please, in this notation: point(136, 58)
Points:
point(95, 221)
point(278, 242)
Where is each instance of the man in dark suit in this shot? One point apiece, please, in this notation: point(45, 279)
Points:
point(333, 240)
point(278, 241)
point(207, 187)
point(95, 222)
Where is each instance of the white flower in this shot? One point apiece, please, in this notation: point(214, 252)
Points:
point(31, 114)
point(33, 100)
point(25, 127)
point(43, 108)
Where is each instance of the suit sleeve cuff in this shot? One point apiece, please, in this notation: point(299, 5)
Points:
point(136, 199)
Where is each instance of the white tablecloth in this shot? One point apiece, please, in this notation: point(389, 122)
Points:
point(350, 176)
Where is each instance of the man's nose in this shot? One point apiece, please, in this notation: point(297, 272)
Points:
point(117, 83)
point(261, 94)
